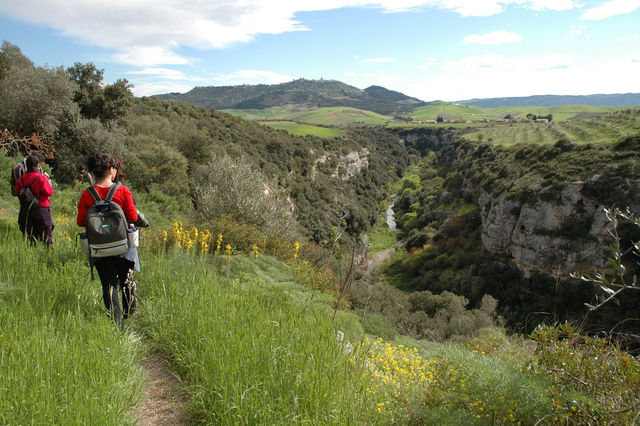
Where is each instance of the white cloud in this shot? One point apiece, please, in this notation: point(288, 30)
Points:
point(498, 76)
point(473, 8)
point(494, 37)
point(611, 8)
point(494, 7)
point(556, 5)
point(428, 64)
point(146, 88)
point(148, 56)
point(501, 64)
point(378, 60)
point(576, 31)
point(149, 32)
point(627, 38)
point(167, 73)
point(254, 76)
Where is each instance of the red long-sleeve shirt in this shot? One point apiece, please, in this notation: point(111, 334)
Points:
point(122, 197)
point(39, 184)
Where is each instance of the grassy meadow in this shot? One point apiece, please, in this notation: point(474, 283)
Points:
point(254, 339)
point(300, 129)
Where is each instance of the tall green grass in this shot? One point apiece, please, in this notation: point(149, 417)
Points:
point(62, 361)
point(255, 347)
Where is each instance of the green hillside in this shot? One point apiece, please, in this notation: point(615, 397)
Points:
point(319, 93)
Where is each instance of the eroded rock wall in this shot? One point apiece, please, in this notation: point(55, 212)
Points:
point(537, 235)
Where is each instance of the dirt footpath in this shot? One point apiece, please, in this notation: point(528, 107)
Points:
point(163, 400)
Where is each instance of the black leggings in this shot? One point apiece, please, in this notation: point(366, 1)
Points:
point(113, 274)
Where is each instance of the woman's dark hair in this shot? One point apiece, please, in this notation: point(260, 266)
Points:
point(119, 176)
point(99, 164)
point(33, 161)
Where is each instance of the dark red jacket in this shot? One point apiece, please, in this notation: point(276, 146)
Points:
point(39, 184)
point(122, 197)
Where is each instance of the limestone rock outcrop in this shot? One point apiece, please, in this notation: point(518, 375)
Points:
point(540, 237)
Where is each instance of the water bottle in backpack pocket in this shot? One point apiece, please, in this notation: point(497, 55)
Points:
point(133, 234)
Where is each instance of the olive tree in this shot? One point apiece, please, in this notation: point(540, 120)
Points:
point(231, 186)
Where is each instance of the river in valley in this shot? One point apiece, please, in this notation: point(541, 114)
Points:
point(376, 259)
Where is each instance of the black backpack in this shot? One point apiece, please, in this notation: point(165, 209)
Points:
point(106, 225)
point(26, 196)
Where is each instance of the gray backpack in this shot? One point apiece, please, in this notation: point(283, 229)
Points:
point(106, 225)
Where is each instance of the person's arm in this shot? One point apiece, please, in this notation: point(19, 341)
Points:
point(83, 206)
point(133, 215)
point(46, 188)
point(126, 202)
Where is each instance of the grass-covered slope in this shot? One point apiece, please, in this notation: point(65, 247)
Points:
point(326, 116)
point(253, 344)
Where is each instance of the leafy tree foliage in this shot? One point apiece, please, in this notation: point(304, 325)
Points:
point(228, 186)
point(108, 103)
point(11, 56)
point(35, 100)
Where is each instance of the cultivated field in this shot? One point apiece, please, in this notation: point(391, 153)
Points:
point(598, 128)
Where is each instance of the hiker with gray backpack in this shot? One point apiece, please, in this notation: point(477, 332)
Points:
point(108, 213)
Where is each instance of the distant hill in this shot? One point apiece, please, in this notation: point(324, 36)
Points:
point(618, 99)
point(318, 93)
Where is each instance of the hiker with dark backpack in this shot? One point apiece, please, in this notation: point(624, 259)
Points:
point(107, 211)
point(17, 172)
point(33, 190)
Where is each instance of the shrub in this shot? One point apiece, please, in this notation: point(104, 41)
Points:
point(231, 186)
point(593, 381)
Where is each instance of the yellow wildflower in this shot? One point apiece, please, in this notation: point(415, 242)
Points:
point(218, 242)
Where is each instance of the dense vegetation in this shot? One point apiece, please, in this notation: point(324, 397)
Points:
point(438, 210)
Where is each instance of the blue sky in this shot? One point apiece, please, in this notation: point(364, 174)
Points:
point(435, 49)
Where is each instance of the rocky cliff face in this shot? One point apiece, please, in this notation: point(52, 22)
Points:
point(348, 165)
point(542, 236)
